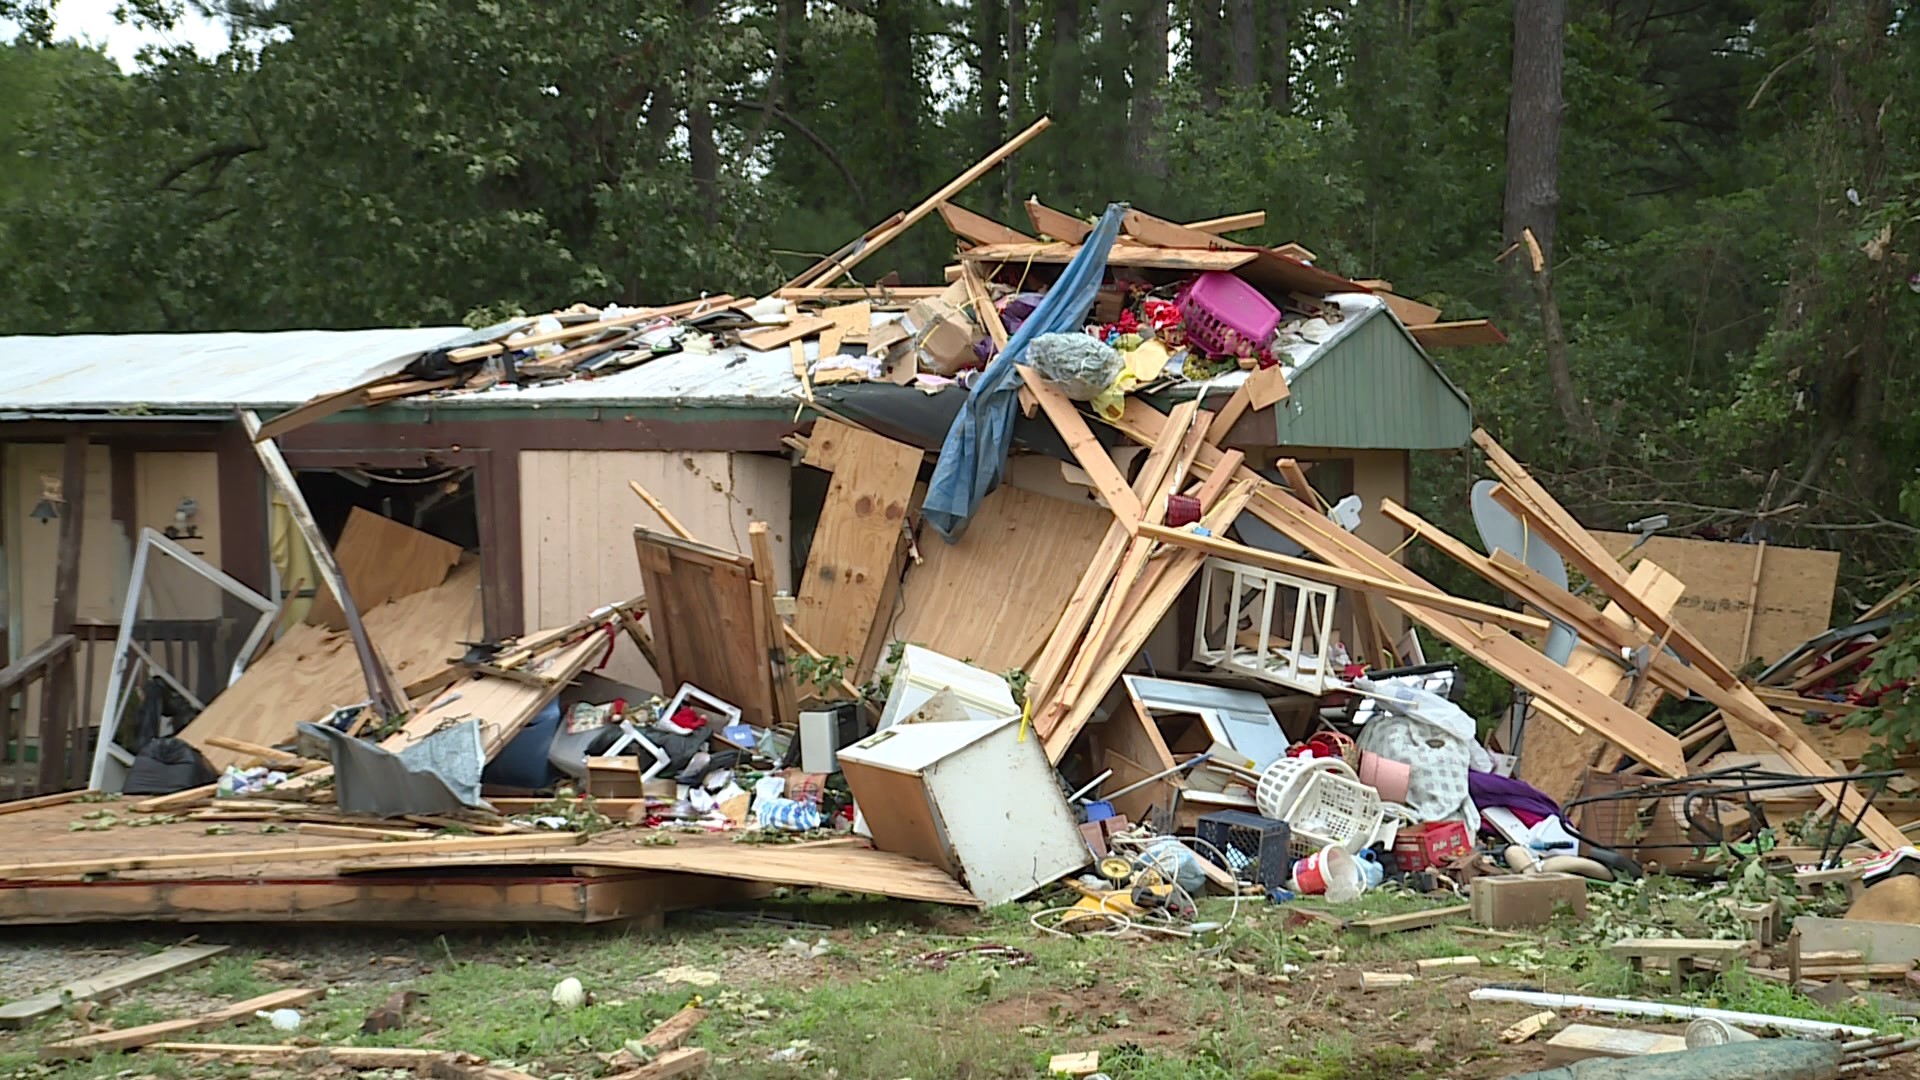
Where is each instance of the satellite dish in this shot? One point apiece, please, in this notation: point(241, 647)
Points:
point(1500, 530)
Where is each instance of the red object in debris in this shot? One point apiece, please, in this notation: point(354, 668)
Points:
point(1434, 844)
point(689, 719)
point(1182, 511)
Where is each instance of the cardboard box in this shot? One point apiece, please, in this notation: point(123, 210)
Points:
point(942, 332)
point(1525, 899)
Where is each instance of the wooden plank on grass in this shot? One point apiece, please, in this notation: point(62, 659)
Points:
point(108, 983)
point(131, 1038)
point(1417, 920)
point(285, 1055)
point(690, 1061)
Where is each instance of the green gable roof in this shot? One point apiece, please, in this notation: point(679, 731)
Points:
point(1371, 388)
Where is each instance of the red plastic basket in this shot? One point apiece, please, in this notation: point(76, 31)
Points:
point(1423, 847)
point(1226, 316)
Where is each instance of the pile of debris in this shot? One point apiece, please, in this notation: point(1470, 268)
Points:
point(998, 708)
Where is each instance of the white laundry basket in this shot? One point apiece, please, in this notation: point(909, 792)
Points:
point(1322, 802)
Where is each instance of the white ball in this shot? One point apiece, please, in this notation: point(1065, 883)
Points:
point(569, 994)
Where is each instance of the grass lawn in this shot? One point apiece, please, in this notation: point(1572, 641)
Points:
point(1276, 998)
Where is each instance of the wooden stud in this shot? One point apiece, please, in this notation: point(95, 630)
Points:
point(1086, 449)
point(874, 242)
point(115, 980)
point(674, 1031)
point(131, 1038)
point(1254, 219)
point(1236, 406)
point(1346, 579)
point(980, 229)
point(689, 1061)
point(1057, 224)
point(1416, 920)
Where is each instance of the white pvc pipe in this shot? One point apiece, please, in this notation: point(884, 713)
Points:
point(1658, 1011)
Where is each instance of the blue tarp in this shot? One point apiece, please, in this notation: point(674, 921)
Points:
point(973, 460)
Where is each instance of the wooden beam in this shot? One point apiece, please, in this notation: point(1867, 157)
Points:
point(898, 295)
point(112, 981)
point(1346, 579)
point(1253, 219)
point(471, 353)
point(829, 261)
point(1121, 254)
point(1086, 449)
point(1230, 413)
point(1416, 920)
point(1057, 224)
point(131, 1038)
point(59, 698)
point(15, 806)
point(1448, 335)
point(927, 206)
point(1160, 232)
point(382, 687)
point(980, 229)
point(1512, 658)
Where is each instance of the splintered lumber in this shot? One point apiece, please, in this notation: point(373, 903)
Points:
point(875, 241)
point(670, 1033)
point(108, 983)
point(978, 228)
point(690, 1061)
point(130, 1038)
point(1703, 673)
point(1150, 600)
point(1384, 980)
point(1416, 920)
point(1346, 579)
point(774, 337)
point(352, 1057)
point(1510, 657)
point(1095, 578)
point(1056, 223)
point(315, 853)
point(1447, 963)
point(589, 329)
point(1528, 1028)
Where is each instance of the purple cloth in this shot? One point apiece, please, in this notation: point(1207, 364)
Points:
point(1491, 789)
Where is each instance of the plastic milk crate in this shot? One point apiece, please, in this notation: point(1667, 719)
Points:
point(1258, 838)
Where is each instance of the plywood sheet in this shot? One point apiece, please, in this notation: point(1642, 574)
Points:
point(1795, 601)
point(857, 542)
point(577, 517)
point(704, 613)
point(996, 595)
point(311, 668)
point(383, 560)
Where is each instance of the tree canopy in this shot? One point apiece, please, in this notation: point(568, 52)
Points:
point(1730, 225)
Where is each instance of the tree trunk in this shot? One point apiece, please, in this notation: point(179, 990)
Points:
point(1204, 30)
point(702, 155)
point(1279, 73)
point(1064, 90)
point(1149, 90)
point(1244, 43)
point(1534, 116)
point(990, 67)
point(1016, 94)
point(900, 101)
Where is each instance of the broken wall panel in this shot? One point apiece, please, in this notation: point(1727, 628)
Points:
point(995, 596)
point(577, 516)
point(1794, 601)
point(856, 546)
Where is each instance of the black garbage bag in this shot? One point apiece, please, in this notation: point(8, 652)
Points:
point(164, 766)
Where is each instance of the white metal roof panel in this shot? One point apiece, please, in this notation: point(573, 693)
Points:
point(195, 372)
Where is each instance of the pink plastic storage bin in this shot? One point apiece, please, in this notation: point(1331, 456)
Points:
point(1218, 307)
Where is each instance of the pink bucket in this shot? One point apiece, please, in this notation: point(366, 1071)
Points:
point(1331, 871)
point(1385, 775)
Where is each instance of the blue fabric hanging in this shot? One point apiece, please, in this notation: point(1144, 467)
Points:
point(973, 460)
